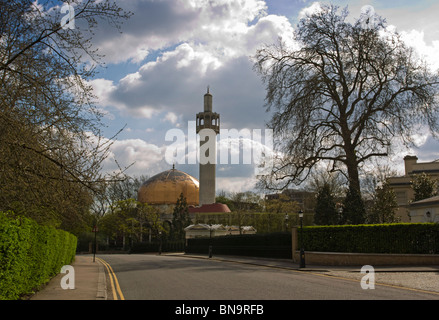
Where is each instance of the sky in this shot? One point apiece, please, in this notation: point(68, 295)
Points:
point(158, 70)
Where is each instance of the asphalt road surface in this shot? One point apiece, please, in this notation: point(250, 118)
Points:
point(153, 277)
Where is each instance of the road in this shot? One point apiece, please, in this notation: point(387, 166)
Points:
point(153, 277)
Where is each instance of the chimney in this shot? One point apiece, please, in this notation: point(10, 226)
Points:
point(409, 161)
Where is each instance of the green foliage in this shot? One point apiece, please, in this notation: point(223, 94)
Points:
point(30, 254)
point(353, 208)
point(384, 206)
point(424, 186)
point(402, 238)
point(131, 218)
point(223, 199)
point(325, 211)
point(180, 219)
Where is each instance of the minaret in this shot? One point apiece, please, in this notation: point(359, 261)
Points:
point(207, 120)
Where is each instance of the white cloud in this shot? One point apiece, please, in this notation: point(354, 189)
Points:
point(171, 117)
point(158, 25)
point(310, 10)
point(429, 53)
point(216, 54)
point(235, 184)
point(140, 156)
point(103, 88)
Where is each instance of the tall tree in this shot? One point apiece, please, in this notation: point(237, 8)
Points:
point(51, 145)
point(341, 94)
point(354, 211)
point(180, 219)
point(325, 211)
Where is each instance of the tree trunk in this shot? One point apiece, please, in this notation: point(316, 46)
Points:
point(353, 176)
point(354, 211)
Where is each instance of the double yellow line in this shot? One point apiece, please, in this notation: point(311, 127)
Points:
point(113, 279)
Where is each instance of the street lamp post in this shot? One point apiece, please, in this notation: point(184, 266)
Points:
point(160, 245)
point(210, 240)
point(302, 250)
point(286, 222)
point(95, 230)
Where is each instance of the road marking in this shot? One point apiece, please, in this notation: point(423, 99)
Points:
point(114, 283)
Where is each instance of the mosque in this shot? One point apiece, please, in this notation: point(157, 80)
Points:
point(163, 189)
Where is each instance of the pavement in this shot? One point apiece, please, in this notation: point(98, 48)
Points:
point(90, 276)
point(90, 282)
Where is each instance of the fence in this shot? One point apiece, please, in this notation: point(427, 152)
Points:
point(396, 238)
point(272, 245)
point(166, 246)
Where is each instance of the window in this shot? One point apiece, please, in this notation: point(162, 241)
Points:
point(401, 198)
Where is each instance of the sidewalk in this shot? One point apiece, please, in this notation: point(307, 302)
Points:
point(90, 283)
point(424, 278)
point(90, 280)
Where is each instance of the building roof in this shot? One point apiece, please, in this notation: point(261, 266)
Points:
point(210, 208)
point(428, 201)
point(203, 226)
point(166, 187)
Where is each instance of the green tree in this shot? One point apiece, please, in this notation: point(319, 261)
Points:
point(276, 211)
point(384, 205)
point(424, 186)
point(223, 199)
point(149, 217)
point(325, 210)
point(353, 208)
point(180, 219)
point(126, 222)
point(131, 219)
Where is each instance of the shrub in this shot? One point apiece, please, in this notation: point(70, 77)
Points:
point(30, 254)
point(402, 238)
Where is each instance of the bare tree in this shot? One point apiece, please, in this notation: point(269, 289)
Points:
point(342, 95)
point(50, 128)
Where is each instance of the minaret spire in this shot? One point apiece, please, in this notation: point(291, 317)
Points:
point(209, 123)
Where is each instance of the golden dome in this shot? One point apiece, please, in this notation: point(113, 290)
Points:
point(166, 187)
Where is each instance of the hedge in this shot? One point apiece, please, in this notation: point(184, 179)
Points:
point(30, 254)
point(268, 245)
point(399, 238)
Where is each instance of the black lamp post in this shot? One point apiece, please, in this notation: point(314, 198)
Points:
point(302, 250)
point(95, 245)
point(160, 244)
point(210, 240)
